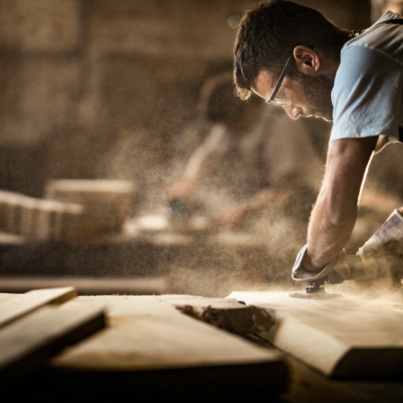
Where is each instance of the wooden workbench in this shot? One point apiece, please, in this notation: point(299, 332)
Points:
point(152, 350)
point(157, 347)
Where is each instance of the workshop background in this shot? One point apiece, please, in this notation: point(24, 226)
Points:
point(103, 89)
point(99, 89)
point(105, 94)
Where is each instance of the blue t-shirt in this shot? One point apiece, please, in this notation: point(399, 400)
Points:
point(368, 89)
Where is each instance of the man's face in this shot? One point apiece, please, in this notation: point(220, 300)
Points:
point(311, 95)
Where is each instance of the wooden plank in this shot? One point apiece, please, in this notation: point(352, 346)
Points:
point(88, 285)
point(45, 220)
point(3, 210)
point(154, 349)
point(14, 212)
point(108, 201)
point(345, 337)
point(308, 385)
point(153, 346)
point(30, 208)
point(31, 301)
point(149, 334)
point(29, 342)
point(162, 225)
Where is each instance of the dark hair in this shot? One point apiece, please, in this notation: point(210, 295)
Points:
point(270, 31)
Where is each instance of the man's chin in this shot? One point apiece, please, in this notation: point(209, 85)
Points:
point(317, 114)
point(328, 116)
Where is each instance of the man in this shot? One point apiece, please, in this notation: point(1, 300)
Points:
point(293, 57)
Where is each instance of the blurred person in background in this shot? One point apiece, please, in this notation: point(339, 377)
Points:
point(255, 170)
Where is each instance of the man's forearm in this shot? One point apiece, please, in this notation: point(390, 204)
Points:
point(326, 238)
point(335, 212)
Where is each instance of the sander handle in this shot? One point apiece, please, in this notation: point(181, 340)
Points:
point(357, 272)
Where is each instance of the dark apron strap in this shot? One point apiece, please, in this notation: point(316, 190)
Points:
point(400, 22)
point(393, 21)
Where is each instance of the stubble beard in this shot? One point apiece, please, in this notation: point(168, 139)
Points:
point(317, 91)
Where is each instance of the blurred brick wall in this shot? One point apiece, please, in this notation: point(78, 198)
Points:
point(104, 88)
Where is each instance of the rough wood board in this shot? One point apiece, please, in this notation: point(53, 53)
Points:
point(339, 337)
point(24, 304)
point(148, 334)
point(29, 342)
point(228, 314)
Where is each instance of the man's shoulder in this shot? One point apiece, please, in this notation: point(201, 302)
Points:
point(366, 95)
point(382, 39)
point(361, 57)
point(361, 63)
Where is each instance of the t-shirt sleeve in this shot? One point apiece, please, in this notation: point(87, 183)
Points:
point(367, 94)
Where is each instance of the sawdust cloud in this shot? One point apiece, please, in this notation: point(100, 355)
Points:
point(259, 254)
point(155, 157)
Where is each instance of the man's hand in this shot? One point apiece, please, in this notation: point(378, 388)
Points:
point(335, 212)
point(338, 265)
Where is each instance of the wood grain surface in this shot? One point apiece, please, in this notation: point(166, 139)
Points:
point(147, 333)
point(345, 337)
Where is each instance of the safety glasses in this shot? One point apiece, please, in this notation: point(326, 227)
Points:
point(281, 96)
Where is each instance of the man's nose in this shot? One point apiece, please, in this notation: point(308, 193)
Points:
point(293, 111)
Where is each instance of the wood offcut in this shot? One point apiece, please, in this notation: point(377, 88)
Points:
point(32, 340)
point(24, 304)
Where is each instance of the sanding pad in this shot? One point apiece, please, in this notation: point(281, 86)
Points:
point(315, 295)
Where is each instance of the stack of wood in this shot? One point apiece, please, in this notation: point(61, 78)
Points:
point(43, 220)
point(109, 202)
point(74, 210)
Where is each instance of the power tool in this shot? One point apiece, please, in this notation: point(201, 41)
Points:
point(315, 289)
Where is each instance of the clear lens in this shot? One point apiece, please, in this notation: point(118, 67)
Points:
point(283, 97)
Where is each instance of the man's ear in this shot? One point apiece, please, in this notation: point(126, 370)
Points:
point(307, 60)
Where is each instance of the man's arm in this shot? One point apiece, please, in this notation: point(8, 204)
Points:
point(335, 212)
